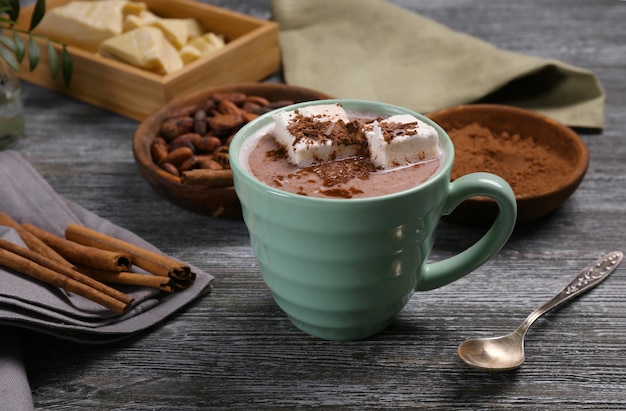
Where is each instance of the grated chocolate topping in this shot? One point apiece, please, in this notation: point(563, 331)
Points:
point(337, 172)
point(313, 129)
point(393, 130)
point(332, 173)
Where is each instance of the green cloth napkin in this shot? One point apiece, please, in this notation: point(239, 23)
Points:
point(370, 49)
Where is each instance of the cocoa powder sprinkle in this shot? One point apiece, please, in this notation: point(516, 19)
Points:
point(529, 167)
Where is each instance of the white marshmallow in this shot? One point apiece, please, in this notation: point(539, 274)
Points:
point(304, 152)
point(409, 143)
point(325, 112)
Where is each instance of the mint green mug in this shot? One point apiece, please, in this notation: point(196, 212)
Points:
point(342, 269)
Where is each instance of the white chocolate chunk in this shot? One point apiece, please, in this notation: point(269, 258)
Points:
point(86, 24)
point(176, 31)
point(325, 112)
point(400, 140)
point(311, 147)
point(207, 43)
point(189, 54)
point(144, 47)
point(144, 18)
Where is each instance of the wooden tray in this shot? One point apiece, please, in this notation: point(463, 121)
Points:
point(251, 54)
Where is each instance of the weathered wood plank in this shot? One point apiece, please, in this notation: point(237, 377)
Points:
point(235, 349)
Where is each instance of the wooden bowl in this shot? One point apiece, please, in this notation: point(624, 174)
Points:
point(216, 202)
point(543, 160)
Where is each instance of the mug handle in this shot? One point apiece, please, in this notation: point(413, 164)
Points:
point(443, 272)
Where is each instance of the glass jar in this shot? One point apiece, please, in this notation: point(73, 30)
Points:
point(11, 108)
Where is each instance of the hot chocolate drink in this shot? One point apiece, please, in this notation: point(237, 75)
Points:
point(324, 151)
point(342, 269)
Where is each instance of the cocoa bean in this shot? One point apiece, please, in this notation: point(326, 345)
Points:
point(224, 124)
point(178, 156)
point(185, 140)
point(207, 162)
point(250, 106)
point(207, 144)
point(261, 101)
point(174, 127)
point(222, 158)
point(158, 150)
point(228, 107)
point(199, 122)
point(189, 164)
point(170, 168)
point(184, 111)
point(208, 106)
point(247, 116)
point(182, 143)
point(198, 136)
point(236, 97)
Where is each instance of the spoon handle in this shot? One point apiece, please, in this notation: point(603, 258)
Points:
point(588, 278)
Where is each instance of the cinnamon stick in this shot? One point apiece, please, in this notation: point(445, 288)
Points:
point(206, 177)
point(41, 273)
point(155, 263)
point(129, 278)
point(81, 254)
point(63, 269)
point(32, 241)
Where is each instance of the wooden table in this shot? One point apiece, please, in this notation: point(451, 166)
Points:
point(234, 349)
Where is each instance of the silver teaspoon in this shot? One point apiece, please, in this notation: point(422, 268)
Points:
point(507, 352)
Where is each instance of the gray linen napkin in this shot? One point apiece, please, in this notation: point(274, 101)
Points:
point(374, 50)
point(15, 392)
point(28, 303)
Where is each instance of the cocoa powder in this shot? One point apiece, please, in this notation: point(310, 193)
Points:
point(529, 167)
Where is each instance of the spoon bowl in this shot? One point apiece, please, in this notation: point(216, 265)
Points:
point(500, 353)
point(507, 352)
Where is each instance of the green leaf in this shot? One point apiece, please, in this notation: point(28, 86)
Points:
point(53, 58)
point(38, 13)
point(20, 52)
point(9, 58)
point(5, 9)
point(5, 21)
point(33, 53)
point(12, 8)
point(8, 43)
point(68, 66)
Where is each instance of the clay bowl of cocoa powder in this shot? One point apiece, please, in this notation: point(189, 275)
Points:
point(181, 149)
point(543, 160)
